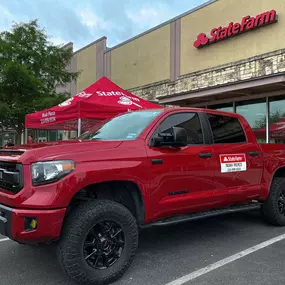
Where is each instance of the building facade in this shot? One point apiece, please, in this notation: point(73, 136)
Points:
point(224, 54)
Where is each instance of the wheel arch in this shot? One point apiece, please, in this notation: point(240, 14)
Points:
point(125, 192)
point(278, 173)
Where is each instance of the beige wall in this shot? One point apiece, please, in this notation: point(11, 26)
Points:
point(221, 13)
point(142, 61)
point(69, 87)
point(86, 63)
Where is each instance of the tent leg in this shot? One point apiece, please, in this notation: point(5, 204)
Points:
point(79, 128)
point(26, 136)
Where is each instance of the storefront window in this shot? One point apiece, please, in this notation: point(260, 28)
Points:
point(277, 120)
point(60, 135)
point(52, 135)
point(32, 133)
point(255, 114)
point(42, 136)
point(4, 136)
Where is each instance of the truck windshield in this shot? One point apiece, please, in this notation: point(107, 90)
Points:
point(124, 127)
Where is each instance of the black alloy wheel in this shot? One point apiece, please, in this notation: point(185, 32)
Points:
point(281, 203)
point(104, 245)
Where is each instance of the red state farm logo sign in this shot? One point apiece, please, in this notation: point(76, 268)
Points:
point(232, 158)
point(248, 23)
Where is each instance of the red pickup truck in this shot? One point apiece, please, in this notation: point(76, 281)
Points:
point(146, 168)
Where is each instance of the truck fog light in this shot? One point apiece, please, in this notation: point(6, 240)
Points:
point(31, 224)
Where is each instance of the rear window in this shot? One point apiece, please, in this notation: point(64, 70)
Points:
point(226, 129)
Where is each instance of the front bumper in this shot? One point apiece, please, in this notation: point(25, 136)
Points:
point(13, 224)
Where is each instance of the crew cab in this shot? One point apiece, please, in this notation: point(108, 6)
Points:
point(91, 196)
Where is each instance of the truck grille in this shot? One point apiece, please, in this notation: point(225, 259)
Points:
point(11, 177)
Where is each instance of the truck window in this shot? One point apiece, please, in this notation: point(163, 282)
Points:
point(189, 121)
point(226, 129)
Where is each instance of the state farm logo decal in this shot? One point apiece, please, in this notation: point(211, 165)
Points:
point(66, 103)
point(124, 98)
point(248, 23)
point(83, 94)
point(127, 101)
point(232, 162)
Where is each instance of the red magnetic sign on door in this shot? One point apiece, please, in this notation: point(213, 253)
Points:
point(233, 162)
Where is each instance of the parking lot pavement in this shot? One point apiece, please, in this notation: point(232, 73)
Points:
point(263, 267)
point(168, 253)
point(2, 237)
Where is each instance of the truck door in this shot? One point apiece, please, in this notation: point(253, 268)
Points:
point(181, 178)
point(239, 162)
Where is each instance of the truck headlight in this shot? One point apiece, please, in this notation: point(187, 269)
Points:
point(51, 171)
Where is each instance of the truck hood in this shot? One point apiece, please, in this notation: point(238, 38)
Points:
point(30, 153)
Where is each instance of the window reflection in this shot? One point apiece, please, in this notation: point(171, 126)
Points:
point(255, 114)
point(277, 120)
point(226, 129)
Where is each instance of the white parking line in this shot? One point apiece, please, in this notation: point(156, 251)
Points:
point(4, 239)
point(225, 261)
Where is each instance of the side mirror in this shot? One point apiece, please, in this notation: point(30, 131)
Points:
point(177, 138)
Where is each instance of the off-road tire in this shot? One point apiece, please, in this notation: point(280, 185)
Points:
point(76, 227)
point(269, 209)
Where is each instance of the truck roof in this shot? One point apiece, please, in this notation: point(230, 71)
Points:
point(193, 109)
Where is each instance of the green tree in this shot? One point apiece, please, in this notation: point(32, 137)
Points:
point(275, 117)
point(31, 67)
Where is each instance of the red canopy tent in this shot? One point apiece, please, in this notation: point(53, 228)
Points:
point(100, 101)
point(277, 130)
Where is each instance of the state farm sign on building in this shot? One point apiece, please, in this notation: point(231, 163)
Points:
point(247, 23)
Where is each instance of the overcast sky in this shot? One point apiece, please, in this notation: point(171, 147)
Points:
point(82, 22)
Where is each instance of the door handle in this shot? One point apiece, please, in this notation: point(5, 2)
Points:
point(254, 153)
point(157, 161)
point(205, 155)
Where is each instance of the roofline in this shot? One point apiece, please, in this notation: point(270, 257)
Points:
point(163, 24)
point(94, 42)
point(67, 44)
